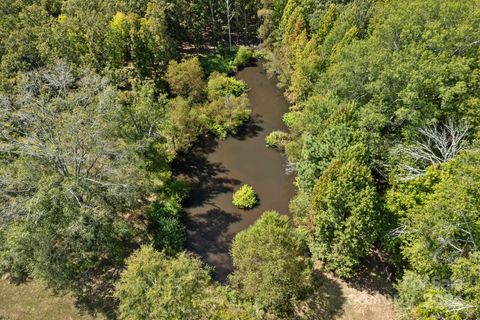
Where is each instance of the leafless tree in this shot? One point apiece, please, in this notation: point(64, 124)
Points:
point(63, 127)
point(230, 16)
point(437, 144)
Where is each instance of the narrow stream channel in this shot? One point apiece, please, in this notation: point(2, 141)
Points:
point(216, 168)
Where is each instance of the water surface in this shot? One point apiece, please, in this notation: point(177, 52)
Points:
point(216, 168)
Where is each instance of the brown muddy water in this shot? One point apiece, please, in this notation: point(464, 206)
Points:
point(216, 168)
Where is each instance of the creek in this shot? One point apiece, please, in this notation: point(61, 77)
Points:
point(216, 168)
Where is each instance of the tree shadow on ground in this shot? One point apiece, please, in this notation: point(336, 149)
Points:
point(324, 302)
point(94, 290)
point(95, 296)
point(208, 236)
point(375, 275)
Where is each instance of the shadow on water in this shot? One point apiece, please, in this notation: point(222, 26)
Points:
point(250, 129)
point(210, 230)
point(207, 179)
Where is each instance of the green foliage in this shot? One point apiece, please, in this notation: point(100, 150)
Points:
point(183, 126)
point(88, 131)
point(226, 114)
point(227, 108)
point(219, 85)
point(155, 286)
point(165, 225)
point(440, 215)
point(243, 57)
point(186, 78)
point(151, 46)
point(449, 219)
point(177, 189)
point(270, 263)
point(15, 251)
point(276, 139)
point(245, 197)
point(73, 179)
point(141, 118)
point(366, 78)
point(336, 142)
point(344, 216)
point(118, 39)
point(220, 60)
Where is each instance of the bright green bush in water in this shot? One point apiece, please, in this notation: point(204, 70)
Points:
point(243, 57)
point(276, 139)
point(227, 108)
point(245, 197)
point(224, 115)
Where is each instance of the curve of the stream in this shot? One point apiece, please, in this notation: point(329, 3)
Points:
point(216, 168)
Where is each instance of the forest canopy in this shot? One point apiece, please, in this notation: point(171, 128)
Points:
point(99, 98)
point(383, 129)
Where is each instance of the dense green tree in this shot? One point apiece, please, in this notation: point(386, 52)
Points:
point(186, 78)
point(118, 39)
point(224, 115)
point(88, 132)
point(270, 263)
point(166, 227)
point(154, 286)
point(439, 233)
point(183, 126)
point(368, 80)
point(23, 32)
point(450, 214)
point(220, 85)
point(67, 178)
point(152, 47)
point(344, 216)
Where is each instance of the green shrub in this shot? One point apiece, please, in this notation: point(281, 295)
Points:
point(243, 57)
point(220, 60)
point(165, 225)
point(292, 119)
point(276, 139)
point(245, 197)
point(185, 78)
point(225, 114)
point(221, 85)
point(177, 189)
point(15, 252)
point(271, 264)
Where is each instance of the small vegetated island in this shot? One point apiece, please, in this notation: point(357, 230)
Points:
point(245, 197)
point(99, 98)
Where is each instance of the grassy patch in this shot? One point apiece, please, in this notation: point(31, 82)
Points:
point(31, 301)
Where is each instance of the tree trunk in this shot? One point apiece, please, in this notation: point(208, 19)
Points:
point(214, 34)
point(229, 18)
point(245, 25)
